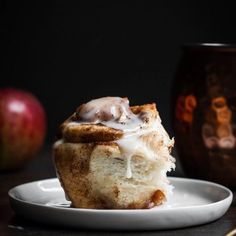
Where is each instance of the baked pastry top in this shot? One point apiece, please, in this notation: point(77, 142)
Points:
point(111, 155)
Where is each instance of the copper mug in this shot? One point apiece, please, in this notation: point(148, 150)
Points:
point(204, 112)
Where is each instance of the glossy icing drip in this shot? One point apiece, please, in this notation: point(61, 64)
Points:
point(114, 112)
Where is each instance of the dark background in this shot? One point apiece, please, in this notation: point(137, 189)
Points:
point(68, 54)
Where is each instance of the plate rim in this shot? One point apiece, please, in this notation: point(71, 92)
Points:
point(229, 198)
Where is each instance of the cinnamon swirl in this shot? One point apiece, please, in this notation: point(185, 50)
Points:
point(110, 155)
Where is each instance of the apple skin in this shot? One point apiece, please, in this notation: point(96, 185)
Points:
point(22, 127)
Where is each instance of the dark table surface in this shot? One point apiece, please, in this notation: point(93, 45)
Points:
point(41, 168)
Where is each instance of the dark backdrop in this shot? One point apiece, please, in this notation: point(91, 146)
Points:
point(67, 54)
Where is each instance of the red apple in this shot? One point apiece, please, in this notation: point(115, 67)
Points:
point(22, 127)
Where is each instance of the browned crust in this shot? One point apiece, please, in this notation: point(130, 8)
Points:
point(73, 171)
point(156, 199)
point(151, 108)
point(86, 133)
point(72, 162)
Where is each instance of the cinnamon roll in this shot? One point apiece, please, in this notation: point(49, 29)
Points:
point(113, 156)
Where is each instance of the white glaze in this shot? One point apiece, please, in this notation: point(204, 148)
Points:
point(132, 143)
point(114, 112)
point(128, 167)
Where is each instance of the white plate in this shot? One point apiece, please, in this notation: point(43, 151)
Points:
point(193, 202)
